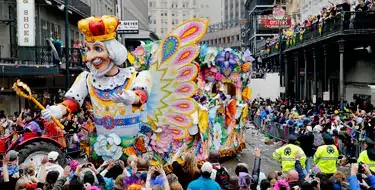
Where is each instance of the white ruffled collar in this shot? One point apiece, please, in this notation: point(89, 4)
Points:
point(110, 83)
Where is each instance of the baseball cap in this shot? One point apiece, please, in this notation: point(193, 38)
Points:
point(207, 167)
point(52, 156)
point(12, 154)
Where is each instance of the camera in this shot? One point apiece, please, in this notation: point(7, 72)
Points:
point(360, 168)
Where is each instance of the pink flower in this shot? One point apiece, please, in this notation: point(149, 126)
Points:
point(160, 142)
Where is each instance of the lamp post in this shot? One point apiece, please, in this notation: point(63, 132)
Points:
point(67, 63)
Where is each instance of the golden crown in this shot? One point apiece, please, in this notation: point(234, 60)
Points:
point(99, 28)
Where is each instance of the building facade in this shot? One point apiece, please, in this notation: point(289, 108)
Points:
point(330, 63)
point(234, 10)
point(212, 11)
point(228, 32)
point(128, 10)
point(164, 15)
point(101, 7)
point(223, 35)
point(256, 32)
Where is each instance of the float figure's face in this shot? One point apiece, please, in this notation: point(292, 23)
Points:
point(97, 56)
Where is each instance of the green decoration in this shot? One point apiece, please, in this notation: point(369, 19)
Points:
point(127, 141)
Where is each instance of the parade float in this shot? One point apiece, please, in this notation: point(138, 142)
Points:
point(176, 96)
point(222, 97)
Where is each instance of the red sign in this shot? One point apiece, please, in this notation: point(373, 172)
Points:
point(270, 22)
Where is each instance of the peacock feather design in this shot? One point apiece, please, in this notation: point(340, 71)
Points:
point(170, 101)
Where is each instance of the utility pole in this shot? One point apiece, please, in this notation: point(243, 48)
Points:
point(67, 60)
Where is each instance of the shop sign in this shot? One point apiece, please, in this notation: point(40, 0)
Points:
point(128, 27)
point(270, 22)
point(26, 22)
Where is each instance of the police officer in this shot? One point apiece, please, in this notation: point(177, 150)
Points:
point(368, 156)
point(326, 156)
point(287, 154)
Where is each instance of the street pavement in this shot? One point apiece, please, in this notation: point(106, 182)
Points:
point(254, 139)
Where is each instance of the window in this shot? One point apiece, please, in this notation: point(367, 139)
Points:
point(164, 21)
point(174, 21)
point(151, 4)
point(174, 4)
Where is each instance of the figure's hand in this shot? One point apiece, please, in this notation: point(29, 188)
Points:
point(52, 111)
point(127, 97)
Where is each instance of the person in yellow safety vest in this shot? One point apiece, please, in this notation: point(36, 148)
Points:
point(326, 156)
point(287, 154)
point(368, 155)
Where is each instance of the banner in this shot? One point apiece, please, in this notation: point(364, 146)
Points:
point(26, 22)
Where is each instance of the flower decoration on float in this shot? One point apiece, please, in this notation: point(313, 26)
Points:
point(161, 140)
point(227, 61)
point(108, 146)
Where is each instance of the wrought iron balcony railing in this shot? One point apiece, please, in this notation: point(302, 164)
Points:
point(43, 56)
point(345, 23)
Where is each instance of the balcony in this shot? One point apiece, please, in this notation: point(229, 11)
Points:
point(345, 25)
point(40, 61)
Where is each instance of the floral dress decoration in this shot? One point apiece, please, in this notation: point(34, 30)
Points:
point(108, 147)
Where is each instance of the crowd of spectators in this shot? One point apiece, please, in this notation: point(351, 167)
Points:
point(320, 140)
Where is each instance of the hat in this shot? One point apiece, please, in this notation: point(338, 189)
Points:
point(52, 156)
point(207, 167)
point(12, 154)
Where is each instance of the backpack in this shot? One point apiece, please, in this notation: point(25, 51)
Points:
point(222, 177)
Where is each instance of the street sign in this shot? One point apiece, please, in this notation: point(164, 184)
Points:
point(128, 27)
